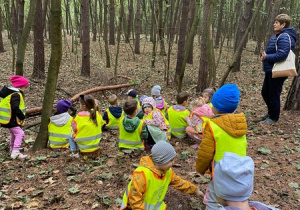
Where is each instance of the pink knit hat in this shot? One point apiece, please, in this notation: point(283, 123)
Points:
point(19, 81)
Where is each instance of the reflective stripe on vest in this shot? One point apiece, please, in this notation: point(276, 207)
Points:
point(226, 143)
point(156, 190)
point(113, 123)
point(5, 108)
point(59, 135)
point(178, 122)
point(131, 140)
point(88, 135)
point(150, 117)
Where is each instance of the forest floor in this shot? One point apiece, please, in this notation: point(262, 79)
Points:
point(53, 180)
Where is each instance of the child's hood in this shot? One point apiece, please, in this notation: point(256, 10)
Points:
point(60, 119)
point(234, 124)
point(6, 91)
point(179, 107)
point(131, 124)
point(116, 111)
point(147, 162)
point(204, 111)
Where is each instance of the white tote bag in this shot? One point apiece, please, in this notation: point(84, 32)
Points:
point(286, 68)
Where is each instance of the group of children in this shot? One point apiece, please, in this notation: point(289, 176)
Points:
point(211, 122)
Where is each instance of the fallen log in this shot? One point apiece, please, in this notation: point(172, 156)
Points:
point(74, 98)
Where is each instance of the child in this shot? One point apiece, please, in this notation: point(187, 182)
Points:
point(86, 127)
point(140, 113)
point(161, 104)
point(207, 95)
point(113, 114)
point(225, 132)
point(12, 113)
point(132, 129)
point(132, 94)
point(197, 121)
point(157, 125)
point(233, 183)
point(150, 181)
point(59, 126)
point(177, 115)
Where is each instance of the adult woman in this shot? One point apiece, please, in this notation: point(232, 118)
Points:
point(285, 38)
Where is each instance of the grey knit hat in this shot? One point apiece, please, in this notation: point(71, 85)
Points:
point(233, 177)
point(156, 90)
point(162, 153)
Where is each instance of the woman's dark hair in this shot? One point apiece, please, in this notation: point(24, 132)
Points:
point(89, 102)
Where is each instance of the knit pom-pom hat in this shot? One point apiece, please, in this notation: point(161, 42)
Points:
point(18, 81)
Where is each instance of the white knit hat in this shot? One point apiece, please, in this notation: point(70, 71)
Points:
point(162, 152)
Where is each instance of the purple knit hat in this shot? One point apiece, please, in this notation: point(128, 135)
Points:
point(63, 106)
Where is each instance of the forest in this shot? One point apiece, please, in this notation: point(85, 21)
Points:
point(67, 48)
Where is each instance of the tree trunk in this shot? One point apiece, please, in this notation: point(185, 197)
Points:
point(207, 57)
point(105, 34)
point(100, 17)
point(23, 41)
point(137, 27)
point(161, 28)
point(219, 27)
point(85, 24)
point(112, 22)
point(76, 15)
point(182, 36)
point(191, 21)
point(242, 26)
point(95, 22)
point(121, 15)
point(55, 60)
point(275, 10)
point(1, 27)
point(39, 57)
point(153, 32)
point(20, 18)
point(129, 21)
point(14, 21)
point(292, 100)
point(240, 46)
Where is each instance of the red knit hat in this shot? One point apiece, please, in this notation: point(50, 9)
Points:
point(19, 81)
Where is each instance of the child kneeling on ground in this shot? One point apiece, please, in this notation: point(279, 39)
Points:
point(150, 181)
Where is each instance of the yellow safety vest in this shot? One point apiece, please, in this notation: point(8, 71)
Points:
point(131, 140)
point(113, 123)
point(178, 122)
point(156, 190)
point(59, 135)
point(138, 104)
point(150, 117)
point(88, 135)
point(5, 108)
point(226, 143)
point(210, 104)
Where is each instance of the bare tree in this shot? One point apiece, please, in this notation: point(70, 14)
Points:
point(1, 40)
point(55, 60)
point(85, 24)
point(112, 22)
point(105, 34)
point(20, 18)
point(219, 27)
point(137, 27)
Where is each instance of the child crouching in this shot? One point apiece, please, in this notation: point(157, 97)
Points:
point(150, 181)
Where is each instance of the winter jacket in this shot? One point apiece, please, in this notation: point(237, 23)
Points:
point(14, 102)
point(60, 119)
point(254, 205)
point(283, 47)
point(116, 111)
point(138, 188)
point(131, 124)
point(234, 124)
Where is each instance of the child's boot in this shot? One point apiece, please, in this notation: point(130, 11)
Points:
point(17, 154)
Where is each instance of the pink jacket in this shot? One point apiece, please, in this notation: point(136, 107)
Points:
point(203, 111)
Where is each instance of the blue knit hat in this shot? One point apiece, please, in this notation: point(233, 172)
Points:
point(233, 177)
point(226, 99)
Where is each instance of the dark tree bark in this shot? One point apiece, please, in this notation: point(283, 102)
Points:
point(182, 36)
point(207, 58)
point(100, 17)
point(129, 21)
point(105, 34)
point(67, 7)
point(55, 60)
point(275, 10)
point(137, 27)
point(112, 22)
point(219, 27)
point(191, 22)
point(95, 22)
point(161, 28)
point(76, 15)
point(1, 39)
point(20, 18)
point(85, 24)
point(39, 57)
point(121, 15)
point(23, 41)
point(14, 21)
point(242, 26)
